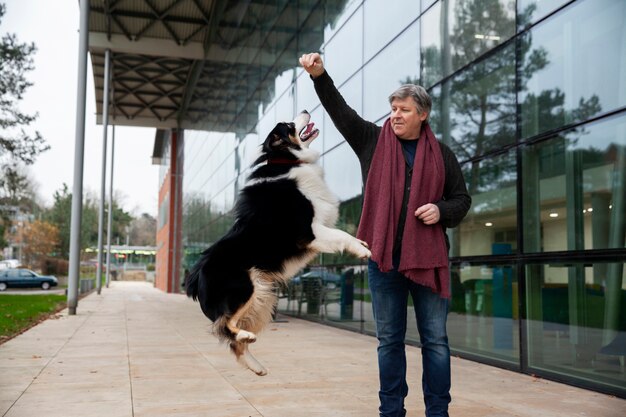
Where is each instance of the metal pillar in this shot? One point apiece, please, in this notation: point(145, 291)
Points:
point(175, 182)
point(79, 153)
point(105, 128)
point(110, 217)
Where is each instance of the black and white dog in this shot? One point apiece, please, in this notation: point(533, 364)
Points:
point(284, 217)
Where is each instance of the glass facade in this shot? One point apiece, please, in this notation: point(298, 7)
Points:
point(534, 107)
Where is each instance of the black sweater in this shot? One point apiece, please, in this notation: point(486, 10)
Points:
point(362, 136)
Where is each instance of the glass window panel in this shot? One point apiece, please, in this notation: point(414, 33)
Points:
point(427, 3)
point(395, 65)
point(530, 11)
point(475, 111)
point(266, 123)
point(317, 117)
point(340, 11)
point(248, 150)
point(343, 55)
point(284, 80)
point(306, 98)
point(353, 95)
point(569, 75)
point(284, 107)
point(455, 33)
point(574, 189)
point(229, 196)
point(430, 47)
point(312, 19)
point(376, 12)
point(484, 318)
point(490, 227)
point(342, 295)
point(342, 172)
point(576, 320)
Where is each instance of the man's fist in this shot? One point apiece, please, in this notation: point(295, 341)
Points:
point(313, 64)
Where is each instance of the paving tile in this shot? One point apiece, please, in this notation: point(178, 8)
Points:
point(5, 405)
point(76, 392)
point(64, 409)
point(196, 410)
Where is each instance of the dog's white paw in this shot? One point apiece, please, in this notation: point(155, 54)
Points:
point(361, 249)
point(245, 337)
point(365, 254)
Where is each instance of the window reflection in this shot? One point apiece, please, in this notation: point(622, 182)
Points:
point(401, 14)
point(492, 219)
point(474, 112)
point(306, 99)
point(574, 189)
point(395, 65)
point(455, 33)
point(530, 11)
point(353, 95)
point(483, 310)
point(577, 320)
point(285, 106)
point(427, 3)
point(562, 80)
point(344, 52)
point(343, 172)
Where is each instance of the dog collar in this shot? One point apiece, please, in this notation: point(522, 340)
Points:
point(283, 161)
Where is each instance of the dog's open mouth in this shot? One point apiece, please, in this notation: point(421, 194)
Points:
point(308, 132)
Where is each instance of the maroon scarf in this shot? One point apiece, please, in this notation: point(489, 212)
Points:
point(424, 255)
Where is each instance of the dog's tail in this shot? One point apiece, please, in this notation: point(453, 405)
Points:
point(193, 277)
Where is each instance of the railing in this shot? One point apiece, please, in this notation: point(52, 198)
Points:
point(127, 266)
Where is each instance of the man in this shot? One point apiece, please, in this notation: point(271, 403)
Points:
point(414, 189)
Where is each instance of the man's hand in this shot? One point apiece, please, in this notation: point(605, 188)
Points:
point(313, 64)
point(428, 213)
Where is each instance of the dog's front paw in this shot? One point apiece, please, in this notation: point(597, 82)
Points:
point(366, 254)
point(245, 337)
point(361, 250)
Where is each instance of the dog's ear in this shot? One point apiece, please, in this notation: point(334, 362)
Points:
point(272, 142)
point(275, 140)
point(278, 139)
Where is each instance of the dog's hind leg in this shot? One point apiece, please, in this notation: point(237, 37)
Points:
point(245, 358)
point(250, 318)
point(241, 336)
point(256, 313)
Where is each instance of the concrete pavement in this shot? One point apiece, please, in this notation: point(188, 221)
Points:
point(135, 351)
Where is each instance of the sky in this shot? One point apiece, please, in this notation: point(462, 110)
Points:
point(53, 27)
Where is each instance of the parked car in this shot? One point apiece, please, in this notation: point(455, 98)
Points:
point(25, 278)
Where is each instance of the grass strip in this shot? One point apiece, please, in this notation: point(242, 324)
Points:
point(20, 312)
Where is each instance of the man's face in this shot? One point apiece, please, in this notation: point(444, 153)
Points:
point(406, 121)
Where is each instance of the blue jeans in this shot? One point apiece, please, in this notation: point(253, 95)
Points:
point(389, 301)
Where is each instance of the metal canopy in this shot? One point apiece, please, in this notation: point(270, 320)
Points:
point(199, 64)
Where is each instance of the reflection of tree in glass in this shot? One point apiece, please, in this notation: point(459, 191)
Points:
point(203, 225)
point(349, 216)
point(475, 111)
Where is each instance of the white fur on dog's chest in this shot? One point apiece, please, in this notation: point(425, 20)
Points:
point(310, 180)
